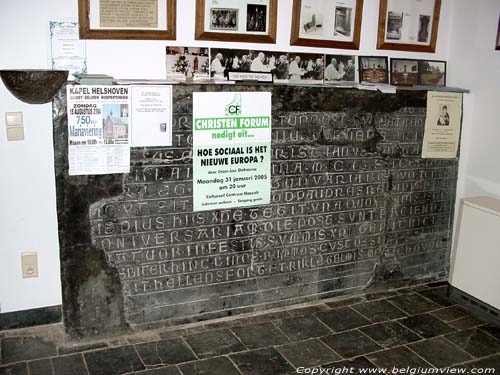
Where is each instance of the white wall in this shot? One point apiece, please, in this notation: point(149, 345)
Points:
point(27, 192)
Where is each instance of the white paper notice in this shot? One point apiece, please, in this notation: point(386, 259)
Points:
point(151, 116)
point(67, 51)
point(442, 125)
point(98, 129)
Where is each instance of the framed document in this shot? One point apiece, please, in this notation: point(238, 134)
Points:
point(236, 20)
point(497, 45)
point(127, 19)
point(326, 23)
point(408, 25)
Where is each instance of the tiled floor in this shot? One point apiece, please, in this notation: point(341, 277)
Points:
point(415, 327)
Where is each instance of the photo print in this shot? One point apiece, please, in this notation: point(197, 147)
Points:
point(404, 72)
point(312, 17)
point(270, 61)
point(340, 68)
point(305, 67)
point(373, 69)
point(343, 17)
point(224, 60)
point(394, 25)
point(187, 63)
point(256, 18)
point(444, 116)
point(115, 123)
point(432, 73)
point(423, 29)
point(224, 19)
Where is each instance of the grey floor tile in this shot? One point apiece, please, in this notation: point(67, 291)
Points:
point(309, 353)
point(427, 325)
point(414, 303)
point(214, 343)
point(345, 302)
point(212, 366)
point(379, 311)
point(351, 344)
point(448, 314)
point(475, 342)
point(438, 295)
point(352, 366)
point(16, 369)
point(305, 311)
point(262, 362)
point(41, 367)
point(268, 317)
point(81, 347)
point(257, 336)
point(16, 349)
point(466, 322)
point(302, 328)
point(390, 334)
point(397, 357)
point(167, 352)
point(114, 361)
point(492, 362)
point(440, 352)
point(69, 364)
point(170, 370)
point(492, 329)
point(342, 319)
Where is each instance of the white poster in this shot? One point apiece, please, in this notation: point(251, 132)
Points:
point(231, 149)
point(151, 115)
point(442, 125)
point(67, 51)
point(98, 129)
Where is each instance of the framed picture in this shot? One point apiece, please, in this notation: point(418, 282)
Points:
point(326, 23)
point(236, 20)
point(497, 45)
point(432, 73)
point(340, 68)
point(373, 69)
point(408, 25)
point(404, 72)
point(127, 19)
point(185, 63)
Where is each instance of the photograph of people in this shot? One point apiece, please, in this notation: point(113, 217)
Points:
point(444, 117)
point(340, 68)
point(294, 70)
point(216, 68)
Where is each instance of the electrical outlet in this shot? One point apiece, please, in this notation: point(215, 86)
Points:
point(29, 262)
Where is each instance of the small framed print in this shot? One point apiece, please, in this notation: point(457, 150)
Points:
point(326, 23)
point(340, 69)
point(408, 25)
point(373, 69)
point(497, 45)
point(236, 20)
point(127, 19)
point(404, 72)
point(432, 73)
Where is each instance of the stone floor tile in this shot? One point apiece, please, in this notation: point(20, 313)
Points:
point(262, 362)
point(81, 347)
point(475, 342)
point(351, 344)
point(16, 369)
point(309, 353)
point(171, 334)
point(466, 322)
point(268, 317)
point(490, 362)
point(114, 361)
point(212, 366)
point(448, 314)
point(345, 302)
point(379, 311)
point(17, 349)
point(414, 303)
point(352, 366)
point(257, 336)
point(440, 352)
point(342, 319)
point(41, 367)
point(437, 295)
point(380, 295)
point(427, 325)
point(166, 352)
point(302, 328)
point(214, 343)
point(390, 334)
point(70, 364)
point(492, 330)
point(170, 370)
point(304, 311)
point(399, 357)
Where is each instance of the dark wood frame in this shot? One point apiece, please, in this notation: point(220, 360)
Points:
point(201, 34)
point(295, 40)
point(405, 84)
point(420, 63)
point(87, 33)
point(360, 67)
point(497, 46)
point(382, 22)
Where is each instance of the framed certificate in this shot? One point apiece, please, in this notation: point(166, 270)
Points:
point(326, 23)
point(236, 20)
point(408, 25)
point(127, 19)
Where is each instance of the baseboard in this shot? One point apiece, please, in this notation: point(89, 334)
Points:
point(474, 305)
point(31, 318)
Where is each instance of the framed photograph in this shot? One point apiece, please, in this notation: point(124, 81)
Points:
point(404, 72)
point(127, 19)
point(373, 69)
point(340, 68)
point(408, 25)
point(236, 20)
point(432, 73)
point(497, 45)
point(326, 23)
point(187, 63)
